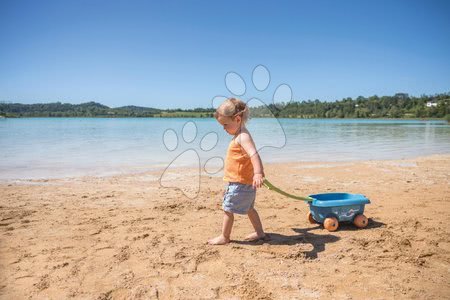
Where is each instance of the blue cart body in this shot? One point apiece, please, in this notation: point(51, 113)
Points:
point(342, 206)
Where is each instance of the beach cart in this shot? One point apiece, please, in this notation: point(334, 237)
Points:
point(331, 208)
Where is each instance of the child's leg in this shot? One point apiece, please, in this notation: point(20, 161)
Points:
point(256, 222)
point(224, 238)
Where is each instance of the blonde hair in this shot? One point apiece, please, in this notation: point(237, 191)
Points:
point(232, 108)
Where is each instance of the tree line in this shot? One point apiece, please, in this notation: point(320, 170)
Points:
point(93, 109)
point(396, 106)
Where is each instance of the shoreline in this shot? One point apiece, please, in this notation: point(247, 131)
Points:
point(160, 169)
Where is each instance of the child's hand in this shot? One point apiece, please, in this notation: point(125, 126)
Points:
point(258, 180)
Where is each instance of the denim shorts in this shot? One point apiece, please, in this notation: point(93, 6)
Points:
point(239, 198)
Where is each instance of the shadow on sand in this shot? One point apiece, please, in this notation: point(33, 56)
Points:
point(318, 241)
point(303, 236)
point(348, 226)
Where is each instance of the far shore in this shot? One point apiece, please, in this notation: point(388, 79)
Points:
point(197, 117)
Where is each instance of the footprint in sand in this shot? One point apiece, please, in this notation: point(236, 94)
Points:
point(124, 254)
point(43, 283)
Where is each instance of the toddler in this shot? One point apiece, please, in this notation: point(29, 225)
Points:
point(243, 171)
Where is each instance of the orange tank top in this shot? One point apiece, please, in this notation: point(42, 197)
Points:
point(238, 166)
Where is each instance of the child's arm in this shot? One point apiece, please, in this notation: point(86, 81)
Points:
point(246, 141)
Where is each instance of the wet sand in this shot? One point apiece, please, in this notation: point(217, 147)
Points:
point(126, 237)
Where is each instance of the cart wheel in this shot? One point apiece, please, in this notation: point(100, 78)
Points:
point(311, 219)
point(331, 224)
point(360, 221)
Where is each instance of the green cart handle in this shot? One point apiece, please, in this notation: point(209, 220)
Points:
point(270, 186)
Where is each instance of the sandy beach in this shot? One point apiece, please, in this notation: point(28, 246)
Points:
point(126, 237)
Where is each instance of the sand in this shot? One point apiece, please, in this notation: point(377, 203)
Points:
point(126, 237)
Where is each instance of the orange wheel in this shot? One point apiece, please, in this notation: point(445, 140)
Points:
point(311, 219)
point(331, 224)
point(360, 221)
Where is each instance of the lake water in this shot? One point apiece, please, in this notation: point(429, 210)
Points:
point(35, 148)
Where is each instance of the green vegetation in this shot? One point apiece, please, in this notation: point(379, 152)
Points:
point(93, 109)
point(191, 113)
point(397, 106)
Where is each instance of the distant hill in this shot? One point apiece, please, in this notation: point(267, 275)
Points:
point(134, 111)
point(400, 105)
point(92, 109)
point(56, 109)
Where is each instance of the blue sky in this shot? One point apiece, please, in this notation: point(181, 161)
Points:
point(176, 53)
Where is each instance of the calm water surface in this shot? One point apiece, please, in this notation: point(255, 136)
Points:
point(34, 148)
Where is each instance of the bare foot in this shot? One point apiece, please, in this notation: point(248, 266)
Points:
point(220, 240)
point(253, 237)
